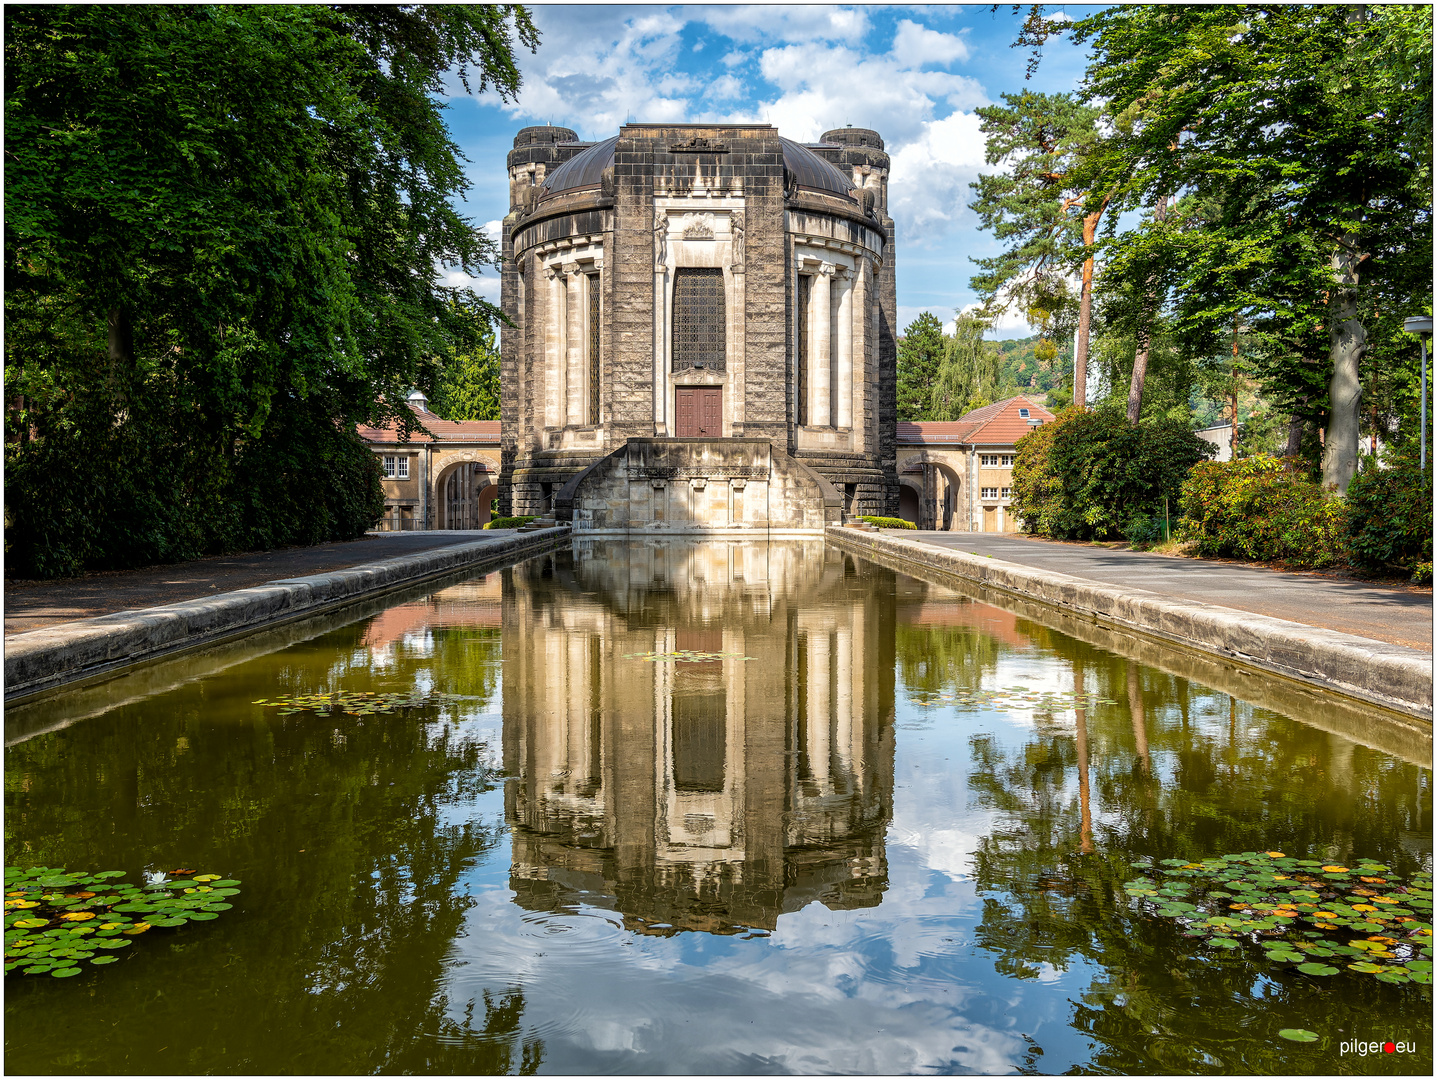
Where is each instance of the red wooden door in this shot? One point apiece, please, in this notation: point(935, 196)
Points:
point(700, 412)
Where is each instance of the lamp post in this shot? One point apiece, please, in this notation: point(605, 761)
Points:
point(1420, 325)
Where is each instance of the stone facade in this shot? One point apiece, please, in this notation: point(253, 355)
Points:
point(713, 795)
point(957, 475)
point(698, 284)
point(444, 476)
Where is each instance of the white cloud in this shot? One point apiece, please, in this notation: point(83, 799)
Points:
point(817, 92)
point(486, 287)
point(917, 45)
point(726, 88)
point(768, 24)
point(601, 66)
point(928, 182)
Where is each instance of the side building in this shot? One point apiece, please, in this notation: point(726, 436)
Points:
point(957, 475)
point(446, 479)
point(702, 329)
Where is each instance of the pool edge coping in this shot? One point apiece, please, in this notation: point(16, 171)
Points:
point(54, 657)
point(1393, 677)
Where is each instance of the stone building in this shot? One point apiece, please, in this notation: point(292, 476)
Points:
point(445, 479)
point(957, 475)
point(703, 329)
point(705, 778)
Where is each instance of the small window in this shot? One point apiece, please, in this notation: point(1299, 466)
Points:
point(1007, 493)
point(389, 466)
point(1008, 460)
point(1023, 413)
point(403, 468)
point(990, 493)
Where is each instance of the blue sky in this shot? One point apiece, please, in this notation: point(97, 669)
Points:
point(914, 74)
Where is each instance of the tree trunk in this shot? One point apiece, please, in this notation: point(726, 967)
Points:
point(1295, 427)
point(1085, 805)
point(121, 344)
point(1234, 390)
point(1144, 335)
point(1085, 317)
point(1348, 344)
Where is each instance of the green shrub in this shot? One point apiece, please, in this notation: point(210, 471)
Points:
point(1389, 517)
point(509, 522)
point(1037, 487)
point(1263, 508)
point(889, 523)
point(1093, 476)
point(90, 489)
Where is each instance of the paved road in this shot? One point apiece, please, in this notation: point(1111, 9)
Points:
point(32, 605)
point(1396, 614)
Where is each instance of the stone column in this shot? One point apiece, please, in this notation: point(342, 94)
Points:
point(820, 348)
point(573, 408)
point(576, 735)
point(859, 305)
point(819, 663)
point(928, 507)
point(844, 419)
point(554, 350)
point(843, 664)
point(661, 324)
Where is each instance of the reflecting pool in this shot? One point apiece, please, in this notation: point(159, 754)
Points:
point(700, 807)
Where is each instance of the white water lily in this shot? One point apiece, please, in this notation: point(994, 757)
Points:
point(154, 878)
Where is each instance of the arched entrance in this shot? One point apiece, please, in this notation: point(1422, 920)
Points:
point(465, 490)
point(908, 500)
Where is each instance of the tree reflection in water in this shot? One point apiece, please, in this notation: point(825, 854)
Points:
point(340, 828)
point(1178, 772)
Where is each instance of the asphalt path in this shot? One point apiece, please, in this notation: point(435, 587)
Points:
point(31, 605)
point(1401, 615)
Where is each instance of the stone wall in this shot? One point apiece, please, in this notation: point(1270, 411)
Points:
point(698, 485)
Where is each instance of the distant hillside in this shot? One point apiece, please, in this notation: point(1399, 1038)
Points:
point(1024, 373)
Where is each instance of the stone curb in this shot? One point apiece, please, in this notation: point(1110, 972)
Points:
point(52, 656)
point(1392, 676)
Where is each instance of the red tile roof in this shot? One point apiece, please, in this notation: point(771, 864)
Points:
point(993, 425)
point(481, 431)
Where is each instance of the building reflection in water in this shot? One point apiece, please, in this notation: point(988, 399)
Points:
point(697, 795)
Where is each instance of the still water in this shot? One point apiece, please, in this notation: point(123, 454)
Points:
point(867, 829)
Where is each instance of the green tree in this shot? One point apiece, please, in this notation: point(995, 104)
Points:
point(1299, 125)
point(919, 355)
point(467, 387)
point(222, 231)
point(971, 374)
point(1045, 206)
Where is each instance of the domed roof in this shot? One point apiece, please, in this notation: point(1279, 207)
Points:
point(585, 169)
point(811, 171)
point(582, 170)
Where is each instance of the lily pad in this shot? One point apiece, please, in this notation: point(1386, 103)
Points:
point(1317, 969)
point(1298, 1035)
point(76, 915)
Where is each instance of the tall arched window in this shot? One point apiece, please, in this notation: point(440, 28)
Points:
point(699, 338)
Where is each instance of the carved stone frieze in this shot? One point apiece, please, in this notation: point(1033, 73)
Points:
point(697, 226)
point(698, 145)
point(694, 472)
